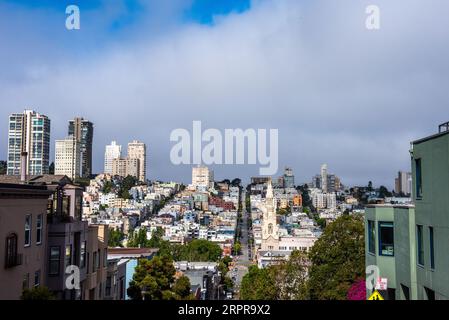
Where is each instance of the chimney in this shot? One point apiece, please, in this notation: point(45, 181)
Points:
point(23, 167)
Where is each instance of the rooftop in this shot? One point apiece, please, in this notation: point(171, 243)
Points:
point(443, 129)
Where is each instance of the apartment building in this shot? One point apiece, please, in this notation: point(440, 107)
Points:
point(68, 157)
point(137, 150)
point(23, 241)
point(113, 151)
point(28, 132)
point(83, 131)
point(126, 167)
point(409, 245)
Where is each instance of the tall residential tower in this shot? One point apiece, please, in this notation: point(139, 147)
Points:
point(29, 132)
point(83, 131)
point(113, 151)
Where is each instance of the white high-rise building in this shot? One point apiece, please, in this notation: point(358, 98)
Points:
point(324, 178)
point(138, 150)
point(28, 132)
point(202, 177)
point(113, 151)
point(68, 157)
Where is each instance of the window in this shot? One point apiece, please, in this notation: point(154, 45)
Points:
point(98, 260)
point(39, 226)
point(418, 171)
point(105, 258)
point(11, 258)
point(37, 278)
point(83, 255)
point(28, 230)
point(371, 237)
point(55, 258)
point(432, 253)
point(68, 255)
point(386, 239)
point(419, 236)
point(94, 262)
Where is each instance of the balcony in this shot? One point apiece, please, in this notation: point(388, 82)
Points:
point(13, 261)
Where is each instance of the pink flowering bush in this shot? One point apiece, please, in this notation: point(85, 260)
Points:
point(357, 291)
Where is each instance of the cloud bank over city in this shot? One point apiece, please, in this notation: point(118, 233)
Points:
point(338, 93)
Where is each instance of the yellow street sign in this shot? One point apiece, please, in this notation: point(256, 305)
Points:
point(376, 296)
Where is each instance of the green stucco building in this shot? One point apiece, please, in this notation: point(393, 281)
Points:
point(410, 244)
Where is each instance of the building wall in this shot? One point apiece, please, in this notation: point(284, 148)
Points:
point(432, 211)
point(68, 157)
point(12, 220)
point(386, 264)
point(29, 132)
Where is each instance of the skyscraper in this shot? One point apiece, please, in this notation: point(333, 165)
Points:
point(113, 151)
point(289, 178)
point(83, 131)
point(68, 157)
point(138, 150)
point(324, 178)
point(403, 183)
point(28, 132)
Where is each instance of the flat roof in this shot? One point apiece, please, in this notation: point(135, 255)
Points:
point(434, 136)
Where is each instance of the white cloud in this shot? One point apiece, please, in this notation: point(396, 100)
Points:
point(337, 92)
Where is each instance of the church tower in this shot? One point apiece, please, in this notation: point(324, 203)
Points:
point(270, 234)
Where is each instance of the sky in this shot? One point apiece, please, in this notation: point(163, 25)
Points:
point(337, 92)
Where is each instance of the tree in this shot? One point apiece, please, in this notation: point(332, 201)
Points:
point(291, 277)
point(3, 166)
point(152, 278)
point(236, 182)
point(138, 239)
point(259, 284)
point(115, 238)
point(126, 185)
point(383, 192)
point(182, 288)
point(108, 186)
point(37, 293)
point(370, 186)
point(338, 259)
point(237, 248)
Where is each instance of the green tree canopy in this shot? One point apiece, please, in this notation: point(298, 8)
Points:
point(259, 284)
point(115, 238)
point(338, 259)
point(38, 293)
point(152, 278)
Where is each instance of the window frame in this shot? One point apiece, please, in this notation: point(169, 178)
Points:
point(51, 260)
point(432, 248)
point(39, 229)
point(418, 177)
point(420, 245)
point(372, 237)
point(28, 228)
point(379, 228)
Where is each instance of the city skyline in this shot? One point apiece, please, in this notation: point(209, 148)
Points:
point(336, 91)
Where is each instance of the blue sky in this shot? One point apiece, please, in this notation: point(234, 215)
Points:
point(200, 11)
point(338, 93)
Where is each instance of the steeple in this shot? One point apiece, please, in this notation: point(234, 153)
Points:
point(269, 191)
